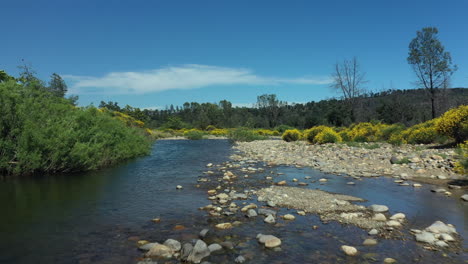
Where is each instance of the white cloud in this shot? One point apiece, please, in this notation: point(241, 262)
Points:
point(189, 76)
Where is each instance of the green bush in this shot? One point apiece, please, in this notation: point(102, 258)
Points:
point(43, 133)
point(194, 134)
point(291, 135)
point(388, 131)
point(327, 135)
point(244, 134)
point(423, 135)
point(282, 128)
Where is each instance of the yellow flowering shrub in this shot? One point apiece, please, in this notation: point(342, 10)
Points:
point(310, 134)
point(291, 135)
point(267, 132)
point(364, 132)
point(219, 132)
point(327, 135)
point(462, 165)
point(210, 128)
point(454, 123)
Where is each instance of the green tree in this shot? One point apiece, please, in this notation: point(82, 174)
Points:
point(57, 85)
point(4, 77)
point(430, 62)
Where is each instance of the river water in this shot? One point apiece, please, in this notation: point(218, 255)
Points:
point(97, 217)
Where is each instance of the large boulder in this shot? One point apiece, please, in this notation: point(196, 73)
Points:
point(439, 227)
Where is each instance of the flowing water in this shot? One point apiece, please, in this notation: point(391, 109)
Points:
point(97, 217)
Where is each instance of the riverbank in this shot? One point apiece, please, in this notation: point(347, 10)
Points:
point(405, 162)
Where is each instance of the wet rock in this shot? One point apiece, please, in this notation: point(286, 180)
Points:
point(439, 227)
point(441, 177)
point(281, 183)
point(227, 245)
point(269, 241)
point(398, 216)
point(209, 165)
point(270, 219)
point(323, 180)
point(251, 213)
point(224, 226)
point(289, 217)
point(389, 261)
point(215, 247)
point(393, 223)
point(379, 217)
point(378, 208)
point(373, 232)
point(200, 251)
point(247, 207)
point(147, 261)
point(425, 237)
point(464, 197)
point(439, 190)
point(271, 204)
point(186, 250)
point(266, 212)
point(178, 187)
point(203, 233)
point(239, 259)
point(173, 244)
point(147, 247)
point(447, 237)
point(350, 183)
point(370, 242)
point(416, 185)
point(441, 243)
point(160, 251)
point(350, 251)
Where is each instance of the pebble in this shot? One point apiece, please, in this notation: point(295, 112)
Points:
point(417, 185)
point(269, 241)
point(270, 219)
point(350, 251)
point(378, 208)
point(373, 232)
point(398, 216)
point(239, 259)
point(393, 223)
point(389, 261)
point(178, 187)
point(224, 226)
point(379, 217)
point(289, 217)
point(323, 180)
point(370, 242)
point(438, 190)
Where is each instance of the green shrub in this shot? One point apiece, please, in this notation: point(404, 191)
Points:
point(388, 131)
point(291, 135)
point(327, 135)
point(462, 164)
point(210, 128)
point(454, 123)
point(423, 135)
point(244, 134)
point(364, 132)
point(194, 134)
point(396, 139)
point(43, 133)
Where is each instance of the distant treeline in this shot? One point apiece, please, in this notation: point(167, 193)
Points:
point(407, 107)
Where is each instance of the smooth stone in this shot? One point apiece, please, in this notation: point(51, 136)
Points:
point(442, 177)
point(251, 213)
point(289, 217)
point(379, 217)
point(204, 232)
point(270, 219)
point(269, 241)
point(323, 180)
point(378, 208)
point(160, 250)
point(417, 185)
point(271, 204)
point(370, 242)
point(439, 227)
point(398, 216)
point(173, 244)
point(350, 183)
point(200, 251)
point(373, 232)
point(393, 223)
point(178, 187)
point(464, 197)
point(389, 261)
point(439, 190)
point(239, 259)
point(350, 251)
point(441, 244)
point(224, 226)
point(425, 237)
point(227, 245)
point(215, 247)
point(281, 183)
point(266, 212)
point(147, 246)
point(447, 237)
point(186, 250)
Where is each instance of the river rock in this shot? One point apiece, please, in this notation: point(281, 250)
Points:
point(251, 213)
point(240, 259)
point(186, 250)
point(379, 217)
point(147, 246)
point(224, 226)
point(323, 180)
point(370, 242)
point(441, 243)
point(425, 237)
point(203, 233)
point(464, 197)
point(350, 251)
point(439, 227)
point(270, 219)
point(173, 244)
point(289, 217)
point(160, 251)
point(417, 185)
point(281, 183)
point(271, 204)
point(389, 261)
point(398, 216)
point(227, 245)
point(178, 187)
point(393, 223)
point(373, 232)
point(447, 237)
point(200, 251)
point(214, 247)
point(269, 241)
point(378, 208)
point(266, 212)
point(439, 190)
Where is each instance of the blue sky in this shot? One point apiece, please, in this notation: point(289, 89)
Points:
point(157, 53)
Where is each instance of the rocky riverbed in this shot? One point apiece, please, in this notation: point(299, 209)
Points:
point(251, 211)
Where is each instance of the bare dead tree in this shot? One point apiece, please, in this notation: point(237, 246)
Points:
point(349, 80)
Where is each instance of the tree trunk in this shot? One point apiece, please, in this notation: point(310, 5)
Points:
point(433, 107)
